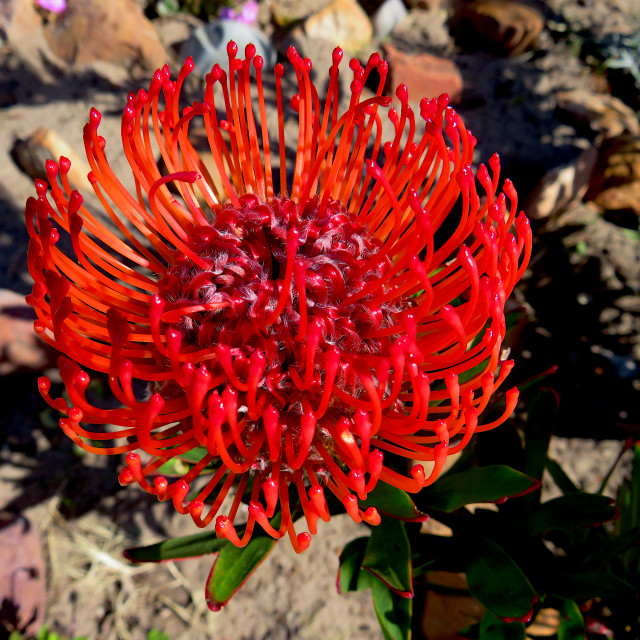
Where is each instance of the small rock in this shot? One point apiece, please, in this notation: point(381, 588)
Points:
point(628, 303)
point(616, 182)
point(609, 314)
point(175, 29)
point(20, 347)
point(342, 22)
point(21, 26)
point(116, 31)
point(625, 197)
point(503, 27)
point(31, 154)
point(208, 44)
point(18, 20)
point(387, 16)
point(22, 576)
point(426, 76)
point(562, 187)
point(423, 32)
point(287, 12)
point(428, 5)
point(604, 115)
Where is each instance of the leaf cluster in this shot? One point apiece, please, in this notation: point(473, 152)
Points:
point(578, 553)
point(519, 554)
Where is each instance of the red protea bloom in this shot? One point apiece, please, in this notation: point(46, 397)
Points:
point(288, 336)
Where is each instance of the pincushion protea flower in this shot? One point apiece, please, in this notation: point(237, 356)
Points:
point(293, 325)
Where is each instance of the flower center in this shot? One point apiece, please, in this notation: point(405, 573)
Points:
point(271, 291)
point(276, 271)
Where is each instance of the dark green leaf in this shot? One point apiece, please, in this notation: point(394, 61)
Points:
point(537, 432)
point(435, 552)
point(464, 460)
point(388, 556)
point(627, 501)
point(194, 455)
point(480, 484)
point(564, 482)
point(497, 581)
point(611, 471)
point(199, 544)
point(393, 612)
point(612, 547)
point(530, 382)
point(566, 512)
point(635, 484)
point(513, 318)
point(476, 371)
point(630, 505)
point(493, 628)
point(587, 584)
point(350, 574)
point(571, 625)
point(392, 501)
point(232, 568)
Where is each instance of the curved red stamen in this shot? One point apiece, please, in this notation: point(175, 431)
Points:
point(287, 333)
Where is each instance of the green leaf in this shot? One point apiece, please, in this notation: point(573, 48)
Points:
point(611, 471)
point(435, 552)
point(476, 371)
point(571, 625)
point(564, 482)
point(350, 574)
point(627, 501)
point(393, 611)
point(497, 581)
point(612, 547)
point(198, 544)
point(388, 556)
point(513, 318)
point(194, 455)
point(566, 512)
point(167, 7)
point(394, 502)
point(179, 465)
point(587, 584)
point(232, 568)
point(534, 380)
point(537, 432)
point(633, 234)
point(480, 484)
point(174, 467)
point(493, 628)
point(630, 508)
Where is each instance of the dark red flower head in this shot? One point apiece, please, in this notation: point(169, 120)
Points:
point(293, 320)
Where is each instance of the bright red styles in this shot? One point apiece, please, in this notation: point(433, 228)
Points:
point(292, 321)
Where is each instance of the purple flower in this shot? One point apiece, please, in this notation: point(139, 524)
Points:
point(248, 14)
point(55, 6)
